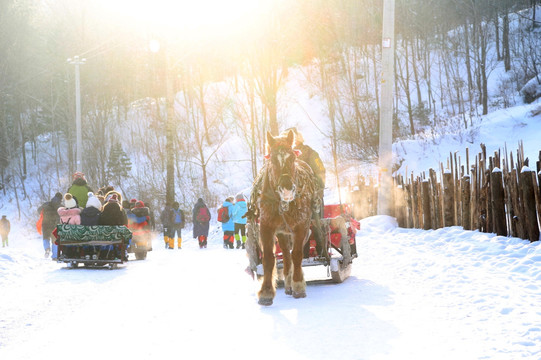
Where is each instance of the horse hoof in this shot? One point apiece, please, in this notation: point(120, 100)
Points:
point(265, 302)
point(289, 291)
point(298, 295)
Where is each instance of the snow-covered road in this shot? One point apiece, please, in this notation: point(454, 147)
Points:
point(413, 294)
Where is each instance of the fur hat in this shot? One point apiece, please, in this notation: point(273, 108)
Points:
point(299, 139)
point(139, 204)
point(118, 197)
point(78, 175)
point(93, 201)
point(69, 201)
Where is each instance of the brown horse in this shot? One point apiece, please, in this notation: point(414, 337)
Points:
point(283, 197)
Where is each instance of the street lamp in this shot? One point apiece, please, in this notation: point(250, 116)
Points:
point(76, 61)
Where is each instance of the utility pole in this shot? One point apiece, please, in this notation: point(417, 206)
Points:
point(79, 146)
point(386, 113)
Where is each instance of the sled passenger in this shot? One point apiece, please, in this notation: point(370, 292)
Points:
point(112, 214)
point(139, 223)
point(311, 157)
point(79, 189)
point(70, 213)
point(201, 219)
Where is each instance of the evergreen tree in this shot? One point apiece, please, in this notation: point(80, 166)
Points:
point(119, 164)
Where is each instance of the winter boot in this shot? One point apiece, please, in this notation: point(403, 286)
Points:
point(231, 242)
point(244, 241)
point(238, 244)
point(47, 252)
point(166, 240)
point(226, 242)
point(237, 237)
point(179, 243)
point(172, 243)
point(205, 242)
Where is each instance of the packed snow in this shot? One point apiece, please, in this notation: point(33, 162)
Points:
point(412, 294)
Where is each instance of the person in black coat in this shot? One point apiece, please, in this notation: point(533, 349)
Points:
point(201, 218)
point(91, 213)
point(112, 213)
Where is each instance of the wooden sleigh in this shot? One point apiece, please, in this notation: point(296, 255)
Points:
point(92, 246)
point(339, 229)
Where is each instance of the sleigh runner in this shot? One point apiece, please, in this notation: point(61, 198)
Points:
point(93, 246)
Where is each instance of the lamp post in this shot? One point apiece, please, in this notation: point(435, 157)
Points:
point(79, 147)
point(386, 113)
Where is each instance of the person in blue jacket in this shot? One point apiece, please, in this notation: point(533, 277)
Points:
point(240, 221)
point(229, 227)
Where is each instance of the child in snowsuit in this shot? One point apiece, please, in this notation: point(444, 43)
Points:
point(229, 226)
point(5, 227)
point(201, 218)
point(240, 221)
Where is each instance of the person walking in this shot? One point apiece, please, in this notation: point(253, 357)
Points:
point(49, 221)
point(239, 220)
point(176, 223)
point(201, 222)
point(228, 226)
point(166, 218)
point(5, 227)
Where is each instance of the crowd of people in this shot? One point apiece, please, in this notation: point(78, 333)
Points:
point(80, 205)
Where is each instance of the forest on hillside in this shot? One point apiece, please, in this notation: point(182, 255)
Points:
point(152, 87)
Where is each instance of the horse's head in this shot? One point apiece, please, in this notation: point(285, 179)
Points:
point(282, 158)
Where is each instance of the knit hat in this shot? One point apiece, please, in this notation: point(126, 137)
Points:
point(69, 201)
point(113, 198)
point(78, 175)
point(93, 201)
point(239, 197)
point(139, 204)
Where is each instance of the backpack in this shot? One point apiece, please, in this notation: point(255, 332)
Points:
point(223, 214)
point(178, 217)
point(203, 215)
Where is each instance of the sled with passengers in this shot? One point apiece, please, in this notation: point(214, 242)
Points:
point(284, 211)
point(92, 246)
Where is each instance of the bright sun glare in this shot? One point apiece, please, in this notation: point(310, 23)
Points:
point(185, 13)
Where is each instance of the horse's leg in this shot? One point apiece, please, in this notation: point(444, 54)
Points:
point(298, 283)
point(268, 289)
point(283, 240)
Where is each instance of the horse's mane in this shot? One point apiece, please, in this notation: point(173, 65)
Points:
point(305, 181)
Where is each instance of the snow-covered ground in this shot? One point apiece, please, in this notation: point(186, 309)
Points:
point(412, 294)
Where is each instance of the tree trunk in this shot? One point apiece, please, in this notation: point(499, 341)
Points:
point(505, 44)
